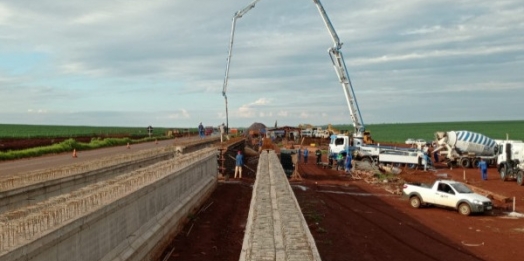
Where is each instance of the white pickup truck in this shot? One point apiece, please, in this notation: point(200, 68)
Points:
point(447, 193)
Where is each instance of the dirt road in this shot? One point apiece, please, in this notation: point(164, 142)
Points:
point(354, 220)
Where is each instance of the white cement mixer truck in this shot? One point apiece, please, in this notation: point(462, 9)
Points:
point(466, 148)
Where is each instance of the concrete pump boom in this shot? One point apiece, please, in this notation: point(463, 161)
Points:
point(360, 136)
point(238, 14)
point(340, 67)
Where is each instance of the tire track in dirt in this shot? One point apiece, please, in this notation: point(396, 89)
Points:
point(391, 233)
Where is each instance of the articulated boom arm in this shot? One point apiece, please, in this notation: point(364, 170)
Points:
point(238, 14)
point(340, 67)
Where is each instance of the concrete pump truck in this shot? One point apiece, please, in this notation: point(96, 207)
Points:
point(360, 141)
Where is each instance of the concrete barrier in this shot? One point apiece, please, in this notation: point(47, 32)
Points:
point(130, 217)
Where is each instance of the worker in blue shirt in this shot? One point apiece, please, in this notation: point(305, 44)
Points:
point(348, 164)
point(201, 132)
point(306, 155)
point(483, 169)
point(238, 164)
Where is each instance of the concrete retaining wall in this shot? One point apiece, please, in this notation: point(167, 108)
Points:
point(133, 227)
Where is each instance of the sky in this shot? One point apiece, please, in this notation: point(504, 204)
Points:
point(162, 62)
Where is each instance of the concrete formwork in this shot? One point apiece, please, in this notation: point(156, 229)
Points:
point(128, 218)
point(276, 228)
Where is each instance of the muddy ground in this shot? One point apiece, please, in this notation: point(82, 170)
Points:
point(358, 219)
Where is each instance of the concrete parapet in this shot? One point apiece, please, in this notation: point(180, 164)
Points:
point(276, 228)
point(124, 218)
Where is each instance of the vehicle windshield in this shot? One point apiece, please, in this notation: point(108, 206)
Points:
point(461, 188)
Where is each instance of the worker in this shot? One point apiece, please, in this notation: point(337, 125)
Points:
point(483, 169)
point(318, 153)
point(306, 155)
point(238, 164)
point(201, 130)
point(435, 156)
point(340, 161)
point(299, 152)
point(222, 132)
point(348, 163)
point(330, 160)
point(426, 161)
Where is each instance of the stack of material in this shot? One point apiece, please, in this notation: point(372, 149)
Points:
point(390, 169)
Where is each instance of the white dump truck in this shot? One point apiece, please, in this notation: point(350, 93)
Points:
point(466, 148)
point(447, 193)
point(510, 161)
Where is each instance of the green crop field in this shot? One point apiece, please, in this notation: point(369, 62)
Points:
point(39, 131)
point(380, 132)
point(401, 132)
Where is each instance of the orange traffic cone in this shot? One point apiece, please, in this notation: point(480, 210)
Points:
point(128, 146)
point(74, 153)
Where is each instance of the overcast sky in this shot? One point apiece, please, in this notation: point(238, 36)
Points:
point(162, 63)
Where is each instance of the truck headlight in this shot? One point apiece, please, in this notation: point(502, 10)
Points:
point(476, 201)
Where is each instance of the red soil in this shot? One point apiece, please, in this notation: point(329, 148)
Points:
point(353, 220)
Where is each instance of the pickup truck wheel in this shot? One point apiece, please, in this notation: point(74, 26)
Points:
point(415, 202)
point(464, 209)
point(520, 178)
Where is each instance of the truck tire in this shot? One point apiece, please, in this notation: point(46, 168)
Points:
point(464, 209)
point(465, 162)
point(415, 202)
point(520, 178)
point(503, 173)
point(367, 159)
point(475, 162)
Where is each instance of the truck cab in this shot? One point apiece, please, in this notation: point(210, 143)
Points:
point(510, 161)
point(339, 143)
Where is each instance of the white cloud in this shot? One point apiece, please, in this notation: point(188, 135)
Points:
point(283, 114)
point(183, 114)
point(168, 58)
point(5, 14)
point(39, 111)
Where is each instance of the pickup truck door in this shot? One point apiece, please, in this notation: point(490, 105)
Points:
point(446, 196)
